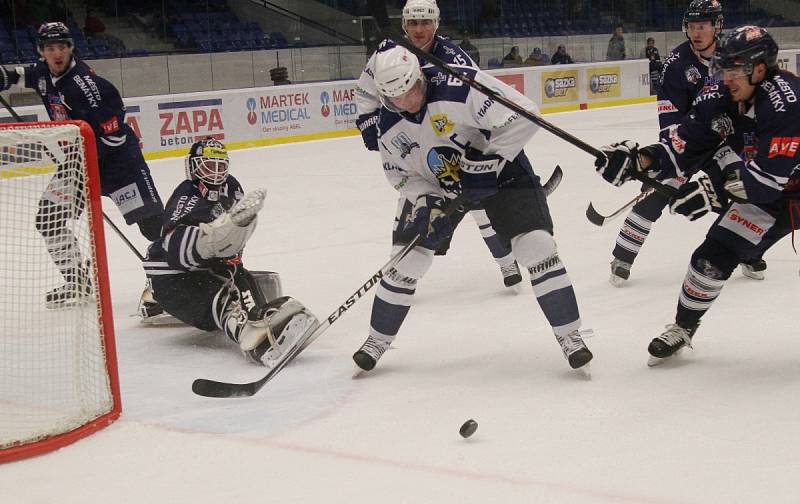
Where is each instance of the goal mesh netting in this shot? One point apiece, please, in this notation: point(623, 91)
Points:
point(57, 363)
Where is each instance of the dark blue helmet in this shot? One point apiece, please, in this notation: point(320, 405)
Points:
point(744, 48)
point(53, 32)
point(704, 10)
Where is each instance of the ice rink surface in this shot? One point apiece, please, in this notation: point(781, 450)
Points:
point(720, 424)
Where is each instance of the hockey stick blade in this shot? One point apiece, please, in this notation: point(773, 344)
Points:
point(599, 219)
point(553, 182)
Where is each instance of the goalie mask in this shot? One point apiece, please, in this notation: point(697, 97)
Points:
point(207, 162)
point(397, 74)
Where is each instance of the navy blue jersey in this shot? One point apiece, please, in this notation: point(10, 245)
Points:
point(683, 78)
point(191, 204)
point(766, 134)
point(79, 94)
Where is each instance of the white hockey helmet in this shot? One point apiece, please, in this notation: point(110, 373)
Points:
point(421, 9)
point(396, 71)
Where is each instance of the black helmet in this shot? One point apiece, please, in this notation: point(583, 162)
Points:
point(207, 162)
point(53, 32)
point(745, 47)
point(704, 10)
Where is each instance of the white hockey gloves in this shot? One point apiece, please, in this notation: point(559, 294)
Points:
point(228, 233)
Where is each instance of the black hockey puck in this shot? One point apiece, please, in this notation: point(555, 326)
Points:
point(468, 429)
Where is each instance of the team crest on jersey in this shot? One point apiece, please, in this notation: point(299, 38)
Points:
point(438, 78)
point(443, 162)
point(693, 75)
point(449, 50)
point(441, 124)
point(404, 144)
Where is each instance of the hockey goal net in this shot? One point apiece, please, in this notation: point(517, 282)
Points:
point(58, 371)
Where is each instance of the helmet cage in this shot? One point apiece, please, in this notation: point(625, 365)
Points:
point(210, 164)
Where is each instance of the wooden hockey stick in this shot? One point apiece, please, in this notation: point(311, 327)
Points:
point(213, 388)
point(378, 10)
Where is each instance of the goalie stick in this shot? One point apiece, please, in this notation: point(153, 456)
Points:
point(378, 10)
point(212, 388)
point(599, 219)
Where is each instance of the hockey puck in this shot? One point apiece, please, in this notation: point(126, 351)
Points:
point(468, 429)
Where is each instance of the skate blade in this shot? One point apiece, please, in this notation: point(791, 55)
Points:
point(160, 320)
point(61, 305)
point(617, 281)
point(584, 371)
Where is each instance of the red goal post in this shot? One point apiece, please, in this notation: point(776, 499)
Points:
point(58, 368)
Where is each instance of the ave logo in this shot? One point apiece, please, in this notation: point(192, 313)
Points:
point(783, 146)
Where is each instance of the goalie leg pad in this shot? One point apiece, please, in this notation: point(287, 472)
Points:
point(270, 284)
point(284, 323)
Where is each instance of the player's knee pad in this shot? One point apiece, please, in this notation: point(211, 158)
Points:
point(714, 260)
point(534, 249)
point(150, 227)
point(416, 263)
point(651, 207)
point(285, 320)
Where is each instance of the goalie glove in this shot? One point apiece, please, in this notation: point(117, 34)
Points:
point(695, 199)
point(621, 160)
point(248, 207)
point(431, 221)
point(228, 233)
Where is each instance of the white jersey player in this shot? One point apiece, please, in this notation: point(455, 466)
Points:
point(420, 22)
point(430, 124)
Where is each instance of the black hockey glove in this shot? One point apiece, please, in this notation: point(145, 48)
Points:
point(696, 198)
point(479, 175)
point(622, 159)
point(430, 221)
point(368, 125)
point(5, 78)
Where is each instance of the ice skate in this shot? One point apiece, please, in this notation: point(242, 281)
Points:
point(669, 343)
point(575, 350)
point(620, 272)
point(370, 352)
point(151, 313)
point(511, 274)
point(76, 290)
point(754, 270)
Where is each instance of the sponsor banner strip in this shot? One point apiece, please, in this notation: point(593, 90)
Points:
point(189, 104)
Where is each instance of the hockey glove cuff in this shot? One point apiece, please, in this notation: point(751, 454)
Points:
point(431, 221)
point(621, 160)
point(7, 78)
point(696, 198)
point(368, 125)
